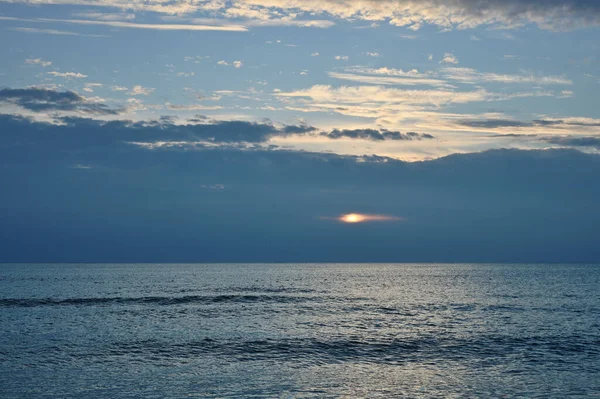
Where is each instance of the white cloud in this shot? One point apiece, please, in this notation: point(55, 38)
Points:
point(418, 110)
point(38, 61)
point(472, 76)
point(315, 54)
point(342, 57)
point(218, 26)
point(389, 76)
point(141, 91)
point(89, 87)
point(235, 64)
point(67, 75)
point(118, 88)
point(449, 58)
point(377, 95)
point(373, 54)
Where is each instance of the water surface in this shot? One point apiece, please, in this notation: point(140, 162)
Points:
point(296, 330)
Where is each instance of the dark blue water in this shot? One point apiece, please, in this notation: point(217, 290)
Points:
point(413, 331)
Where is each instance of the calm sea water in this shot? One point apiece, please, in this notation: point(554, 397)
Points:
point(319, 330)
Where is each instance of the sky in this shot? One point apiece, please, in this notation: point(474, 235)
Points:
point(248, 130)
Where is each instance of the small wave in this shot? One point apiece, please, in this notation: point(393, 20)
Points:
point(268, 290)
point(302, 350)
point(154, 300)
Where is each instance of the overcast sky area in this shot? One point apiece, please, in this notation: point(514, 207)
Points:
point(241, 130)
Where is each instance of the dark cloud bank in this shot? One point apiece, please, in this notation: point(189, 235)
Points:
point(45, 100)
point(81, 192)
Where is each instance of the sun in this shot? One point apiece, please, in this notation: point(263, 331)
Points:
point(353, 218)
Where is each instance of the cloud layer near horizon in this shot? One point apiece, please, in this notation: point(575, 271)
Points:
point(81, 192)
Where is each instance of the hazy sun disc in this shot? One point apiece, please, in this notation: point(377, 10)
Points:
point(352, 218)
point(361, 218)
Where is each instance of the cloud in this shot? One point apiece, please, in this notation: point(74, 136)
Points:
point(449, 59)
point(38, 61)
point(375, 135)
point(565, 141)
point(51, 32)
point(105, 16)
point(45, 100)
point(219, 26)
point(564, 123)
point(298, 129)
point(541, 205)
point(376, 94)
point(341, 57)
point(300, 23)
point(392, 107)
point(67, 75)
point(444, 14)
point(141, 91)
point(472, 76)
point(194, 107)
point(235, 64)
point(388, 76)
point(574, 141)
point(448, 14)
point(120, 135)
point(493, 123)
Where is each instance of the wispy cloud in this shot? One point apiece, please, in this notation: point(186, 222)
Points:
point(141, 91)
point(52, 32)
point(38, 61)
point(193, 107)
point(67, 75)
point(472, 76)
point(102, 16)
point(388, 80)
point(221, 26)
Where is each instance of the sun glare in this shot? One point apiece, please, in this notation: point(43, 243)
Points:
point(352, 218)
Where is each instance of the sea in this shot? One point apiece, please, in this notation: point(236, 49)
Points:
point(299, 331)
